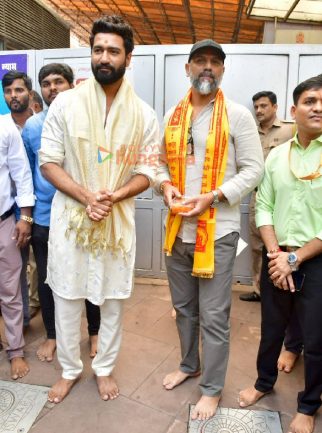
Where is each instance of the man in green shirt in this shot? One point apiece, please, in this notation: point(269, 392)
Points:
point(289, 217)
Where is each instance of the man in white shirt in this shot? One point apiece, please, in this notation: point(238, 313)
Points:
point(14, 167)
point(214, 156)
point(17, 88)
point(91, 248)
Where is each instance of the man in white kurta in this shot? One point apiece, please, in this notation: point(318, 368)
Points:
point(98, 149)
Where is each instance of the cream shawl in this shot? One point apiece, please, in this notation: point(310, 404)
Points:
point(93, 161)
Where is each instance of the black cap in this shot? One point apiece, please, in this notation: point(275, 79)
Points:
point(207, 43)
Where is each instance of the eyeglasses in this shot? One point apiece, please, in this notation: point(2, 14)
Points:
point(314, 175)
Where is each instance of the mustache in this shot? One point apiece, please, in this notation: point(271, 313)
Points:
point(206, 74)
point(109, 67)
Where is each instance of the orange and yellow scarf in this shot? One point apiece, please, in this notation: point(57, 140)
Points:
point(176, 134)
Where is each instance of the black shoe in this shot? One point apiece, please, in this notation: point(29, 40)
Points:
point(250, 297)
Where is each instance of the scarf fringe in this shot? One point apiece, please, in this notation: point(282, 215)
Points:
point(202, 274)
point(90, 235)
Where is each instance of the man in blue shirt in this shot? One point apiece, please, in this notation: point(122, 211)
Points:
point(53, 79)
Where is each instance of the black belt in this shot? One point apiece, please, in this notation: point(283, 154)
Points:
point(7, 214)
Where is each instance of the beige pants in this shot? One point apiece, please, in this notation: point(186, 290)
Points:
point(256, 245)
point(68, 315)
point(33, 281)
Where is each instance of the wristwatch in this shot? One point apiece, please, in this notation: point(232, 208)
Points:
point(215, 201)
point(292, 260)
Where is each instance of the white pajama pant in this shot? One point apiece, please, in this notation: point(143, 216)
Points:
point(68, 313)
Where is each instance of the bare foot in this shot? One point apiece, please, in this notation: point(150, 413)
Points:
point(249, 396)
point(205, 408)
point(60, 390)
point(93, 345)
point(176, 378)
point(46, 350)
point(302, 424)
point(107, 387)
point(19, 368)
point(286, 361)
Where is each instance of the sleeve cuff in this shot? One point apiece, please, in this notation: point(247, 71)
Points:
point(148, 172)
point(25, 201)
point(231, 195)
point(319, 235)
point(164, 177)
point(264, 219)
point(44, 158)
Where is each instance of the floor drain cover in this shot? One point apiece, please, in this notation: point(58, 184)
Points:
point(237, 420)
point(20, 405)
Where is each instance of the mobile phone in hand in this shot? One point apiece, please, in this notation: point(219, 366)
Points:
point(298, 280)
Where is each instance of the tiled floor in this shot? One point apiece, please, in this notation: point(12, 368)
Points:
point(150, 349)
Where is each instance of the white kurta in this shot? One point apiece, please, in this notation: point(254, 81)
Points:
point(73, 272)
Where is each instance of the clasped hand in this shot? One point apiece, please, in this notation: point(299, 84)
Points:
point(99, 205)
point(280, 271)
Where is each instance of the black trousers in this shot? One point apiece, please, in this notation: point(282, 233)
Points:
point(277, 307)
point(39, 243)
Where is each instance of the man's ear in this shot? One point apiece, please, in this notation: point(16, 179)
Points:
point(128, 59)
point(293, 112)
point(187, 68)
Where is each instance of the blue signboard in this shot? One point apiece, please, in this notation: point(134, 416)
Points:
point(10, 62)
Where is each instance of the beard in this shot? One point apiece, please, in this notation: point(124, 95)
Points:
point(18, 107)
point(205, 87)
point(104, 77)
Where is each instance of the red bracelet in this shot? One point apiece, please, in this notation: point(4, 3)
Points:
point(277, 250)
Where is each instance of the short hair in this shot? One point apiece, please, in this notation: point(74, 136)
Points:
point(11, 76)
point(310, 83)
point(56, 68)
point(265, 94)
point(113, 24)
point(37, 98)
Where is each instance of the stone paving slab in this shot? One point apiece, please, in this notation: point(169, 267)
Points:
point(20, 405)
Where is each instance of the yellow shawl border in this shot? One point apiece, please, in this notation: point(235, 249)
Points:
point(89, 140)
point(176, 134)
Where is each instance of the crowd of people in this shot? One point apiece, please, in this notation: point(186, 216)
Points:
point(69, 203)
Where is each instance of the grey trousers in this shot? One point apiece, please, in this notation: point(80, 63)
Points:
point(203, 305)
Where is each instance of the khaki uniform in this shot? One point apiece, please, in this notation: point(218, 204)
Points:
point(279, 133)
